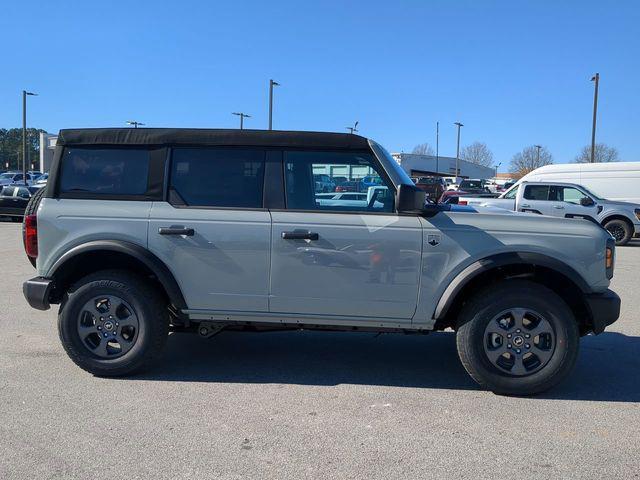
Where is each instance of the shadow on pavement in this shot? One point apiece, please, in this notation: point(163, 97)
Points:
point(607, 369)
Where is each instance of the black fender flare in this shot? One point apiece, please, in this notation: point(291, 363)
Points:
point(147, 258)
point(501, 260)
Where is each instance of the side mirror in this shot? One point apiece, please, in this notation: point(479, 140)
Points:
point(587, 202)
point(410, 198)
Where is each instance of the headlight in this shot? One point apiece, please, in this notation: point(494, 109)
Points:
point(637, 210)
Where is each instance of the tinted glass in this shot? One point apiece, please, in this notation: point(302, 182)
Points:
point(470, 184)
point(347, 171)
point(113, 171)
point(511, 194)
point(8, 191)
point(213, 177)
point(536, 192)
point(23, 193)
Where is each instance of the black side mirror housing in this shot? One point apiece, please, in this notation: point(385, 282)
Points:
point(587, 202)
point(410, 199)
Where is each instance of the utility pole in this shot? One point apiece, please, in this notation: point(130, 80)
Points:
point(437, 147)
point(538, 147)
point(135, 124)
point(596, 79)
point(272, 84)
point(353, 129)
point(242, 117)
point(24, 133)
point(458, 150)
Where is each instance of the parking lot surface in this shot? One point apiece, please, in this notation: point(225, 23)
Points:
point(309, 405)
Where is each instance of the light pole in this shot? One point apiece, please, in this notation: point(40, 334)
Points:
point(353, 129)
point(596, 79)
point(24, 133)
point(538, 147)
point(498, 166)
point(437, 147)
point(242, 117)
point(134, 123)
point(458, 150)
point(272, 84)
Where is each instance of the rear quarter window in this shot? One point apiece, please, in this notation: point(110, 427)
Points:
point(104, 171)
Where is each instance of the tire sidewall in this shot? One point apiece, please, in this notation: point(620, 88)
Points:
point(69, 317)
point(551, 308)
point(628, 232)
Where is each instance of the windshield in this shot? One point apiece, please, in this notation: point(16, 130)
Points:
point(590, 192)
point(397, 174)
point(470, 184)
point(6, 175)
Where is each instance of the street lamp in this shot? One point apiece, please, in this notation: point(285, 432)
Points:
point(498, 166)
point(353, 129)
point(242, 117)
point(538, 147)
point(24, 133)
point(596, 79)
point(272, 84)
point(135, 124)
point(458, 150)
point(437, 147)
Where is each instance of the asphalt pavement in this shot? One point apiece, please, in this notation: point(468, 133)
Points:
point(309, 404)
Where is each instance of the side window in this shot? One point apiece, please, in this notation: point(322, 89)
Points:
point(536, 192)
point(23, 193)
point(217, 177)
point(347, 173)
point(511, 194)
point(8, 191)
point(570, 195)
point(105, 171)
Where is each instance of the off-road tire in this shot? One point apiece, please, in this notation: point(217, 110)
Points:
point(150, 309)
point(618, 225)
point(485, 305)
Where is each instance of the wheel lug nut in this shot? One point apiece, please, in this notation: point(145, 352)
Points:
point(117, 324)
point(509, 335)
point(99, 327)
point(518, 351)
point(527, 336)
point(527, 345)
point(518, 330)
point(509, 345)
point(105, 335)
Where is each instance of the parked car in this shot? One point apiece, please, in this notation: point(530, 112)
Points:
point(190, 230)
point(473, 186)
point(568, 200)
point(434, 187)
point(14, 199)
point(350, 186)
point(11, 178)
point(617, 181)
point(42, 179)
point(324, 183)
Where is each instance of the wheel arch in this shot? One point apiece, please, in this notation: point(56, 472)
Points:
point(617, 216)
point(96, 255)
point(550, 272)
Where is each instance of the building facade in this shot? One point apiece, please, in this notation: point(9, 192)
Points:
point(47, 147)
point(425, 165)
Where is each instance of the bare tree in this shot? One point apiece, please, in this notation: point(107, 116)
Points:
point(603, 154)
point(529, 159)
point(423, 149)
point(479, 153)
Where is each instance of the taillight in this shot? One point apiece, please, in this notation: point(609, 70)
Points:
point(462, 202)
point(31, 236)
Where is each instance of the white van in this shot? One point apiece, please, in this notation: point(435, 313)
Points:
point(614, 181)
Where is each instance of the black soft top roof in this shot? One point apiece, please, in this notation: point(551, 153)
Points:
point(203, 136)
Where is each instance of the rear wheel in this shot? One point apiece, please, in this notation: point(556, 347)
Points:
point(517, 338)
point(620, 230)
point(113, 323)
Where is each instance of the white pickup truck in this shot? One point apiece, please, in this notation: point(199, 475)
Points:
point(567, 200)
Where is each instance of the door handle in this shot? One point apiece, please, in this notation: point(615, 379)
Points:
point(558, 207)
point(176, 231)
point(300, 235)
point(525, 205)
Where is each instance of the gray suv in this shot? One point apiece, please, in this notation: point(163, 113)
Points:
point(140, 232)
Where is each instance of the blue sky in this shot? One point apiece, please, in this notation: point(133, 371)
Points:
point(514, 72)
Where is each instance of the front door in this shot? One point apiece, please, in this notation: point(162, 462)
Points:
point(566, 202)
point(213, 232)
point(343, 258)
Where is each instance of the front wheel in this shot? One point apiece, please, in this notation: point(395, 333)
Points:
point(113, 323)
point(517, 338)
point(620, 230)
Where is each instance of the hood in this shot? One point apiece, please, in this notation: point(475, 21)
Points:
point(614, 203)
point(481, 209)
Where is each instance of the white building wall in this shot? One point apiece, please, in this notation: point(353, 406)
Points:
point(445, 166)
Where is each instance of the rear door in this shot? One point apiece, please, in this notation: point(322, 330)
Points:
point(345, 259)
point(535, 199)
point(212, 231)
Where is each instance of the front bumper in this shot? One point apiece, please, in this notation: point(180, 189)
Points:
point(37, 291)
point(604, 309)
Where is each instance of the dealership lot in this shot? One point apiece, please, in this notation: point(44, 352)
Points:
point(309, 405)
